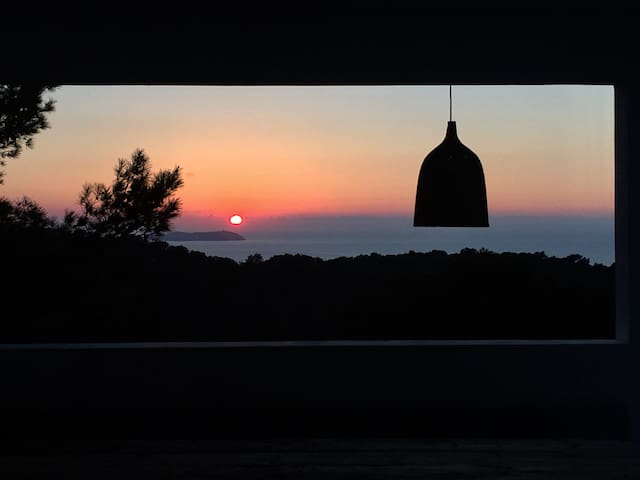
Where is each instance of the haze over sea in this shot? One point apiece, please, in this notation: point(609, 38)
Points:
point(591, 236)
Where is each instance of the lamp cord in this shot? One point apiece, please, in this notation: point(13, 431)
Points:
point(450, 105)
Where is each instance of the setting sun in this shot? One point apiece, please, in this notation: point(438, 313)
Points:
point(235, 219)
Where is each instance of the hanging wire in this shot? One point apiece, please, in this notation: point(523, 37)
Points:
point(450, 105)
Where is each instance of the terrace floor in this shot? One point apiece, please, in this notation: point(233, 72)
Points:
point(321, 458)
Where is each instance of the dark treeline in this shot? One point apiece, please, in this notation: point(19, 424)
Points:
point(66, 285)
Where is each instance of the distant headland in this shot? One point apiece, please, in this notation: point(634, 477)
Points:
point(220, 235)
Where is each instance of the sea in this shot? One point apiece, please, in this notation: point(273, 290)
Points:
point(589, 236)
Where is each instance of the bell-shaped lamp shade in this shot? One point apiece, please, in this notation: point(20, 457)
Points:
point(451, 188)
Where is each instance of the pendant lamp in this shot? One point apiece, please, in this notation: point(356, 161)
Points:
point(451, 188)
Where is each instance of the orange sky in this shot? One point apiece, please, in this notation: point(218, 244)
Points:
point(265, 151)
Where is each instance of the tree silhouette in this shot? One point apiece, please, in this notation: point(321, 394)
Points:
point(254, 259)
point(138, 202)
point(22, 115)
point(24, 213)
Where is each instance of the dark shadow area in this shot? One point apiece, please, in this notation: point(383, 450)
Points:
point(586, 421)
point(72, 287)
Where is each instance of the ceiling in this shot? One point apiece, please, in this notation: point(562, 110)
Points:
point(373, 46)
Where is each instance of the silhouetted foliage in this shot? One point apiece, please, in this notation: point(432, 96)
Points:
point(138, 202)
point(24, 213)
point(6, 209)
point(23, 113)
point(254, 258)
point(89, 288)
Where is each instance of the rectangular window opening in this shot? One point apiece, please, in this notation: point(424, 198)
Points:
point(296, 216)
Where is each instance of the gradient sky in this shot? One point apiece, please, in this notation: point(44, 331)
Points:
point(309, 150)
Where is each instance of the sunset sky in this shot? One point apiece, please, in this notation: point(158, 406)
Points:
point(331, 150)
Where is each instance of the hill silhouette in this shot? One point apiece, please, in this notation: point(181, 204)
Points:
point(61, 286)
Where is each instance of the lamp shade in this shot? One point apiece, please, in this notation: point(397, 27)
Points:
point(451, 188)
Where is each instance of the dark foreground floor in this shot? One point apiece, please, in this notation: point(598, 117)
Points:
point(321, 459)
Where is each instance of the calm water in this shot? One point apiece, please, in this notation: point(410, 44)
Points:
point(591, 237)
